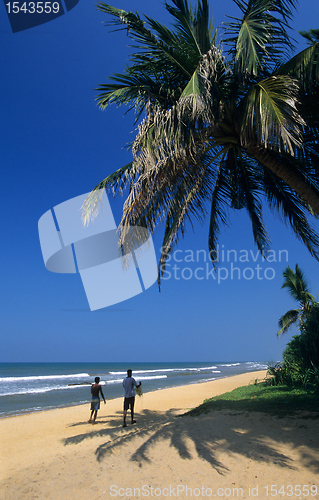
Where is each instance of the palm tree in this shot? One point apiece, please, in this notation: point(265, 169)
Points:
point(312, 36)
point(298, 288)
point(222, 126)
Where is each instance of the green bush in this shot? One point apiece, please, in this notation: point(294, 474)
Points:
point(295, 359)
point(301, 356)
point(310, 338)
point(279, 375)
point(311, 379)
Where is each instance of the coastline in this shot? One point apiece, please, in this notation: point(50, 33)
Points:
point(31, 387)
point(193, 390)
point(55, 454)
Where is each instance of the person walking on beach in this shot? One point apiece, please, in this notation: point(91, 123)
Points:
point(129, 385)
point(96, 389)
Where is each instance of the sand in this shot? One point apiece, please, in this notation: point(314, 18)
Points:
point(57, 455)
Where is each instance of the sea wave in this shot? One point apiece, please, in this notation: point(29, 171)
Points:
point(39, 390)
point(120, 380)
point(43, 377)
point(161, 370)
point(231, 364)
point(257, 365)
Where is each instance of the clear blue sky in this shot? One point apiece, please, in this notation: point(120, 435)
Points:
point(56, 144)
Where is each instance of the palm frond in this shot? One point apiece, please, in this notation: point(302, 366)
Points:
point(292, 209)
point(115, 182)
point(218, 213)
point(135, 90)
point(157, 54)
point(312, 36)
point(270, 114)
point(259, 37)
point(296, 284)
point(298, 288)
point(178, 132)
point(250, 37)
point(180, 208)
point(194, 26)
point(251, 189)
point(304, 67)
point(287, 320)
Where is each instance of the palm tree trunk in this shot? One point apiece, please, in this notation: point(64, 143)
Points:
point(287, 173)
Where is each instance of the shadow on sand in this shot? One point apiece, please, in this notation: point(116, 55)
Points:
point(254, 435)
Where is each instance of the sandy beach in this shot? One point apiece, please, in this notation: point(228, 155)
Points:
point(57, 455)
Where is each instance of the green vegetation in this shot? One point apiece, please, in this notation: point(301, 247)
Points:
point(293, 385)
point(228, 120)
point(301, 357)
point(276, 401)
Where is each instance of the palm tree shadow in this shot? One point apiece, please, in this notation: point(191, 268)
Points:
point(177, 434)
point(208, 436)
point(99, 421)
point(114, 428)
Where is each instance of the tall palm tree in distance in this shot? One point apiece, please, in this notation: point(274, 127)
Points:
point(298, 288)
point(226, 120)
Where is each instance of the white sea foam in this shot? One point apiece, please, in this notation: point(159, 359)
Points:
point(43, 377)
point(231, 364)
point(152, 378)
point(257, 365)
point(163, 370)
point(120, 380)
point(39, 390)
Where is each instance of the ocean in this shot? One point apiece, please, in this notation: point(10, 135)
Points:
point(30, 387)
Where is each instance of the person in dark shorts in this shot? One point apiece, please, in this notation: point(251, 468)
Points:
point(129, 385)
point(96, 389)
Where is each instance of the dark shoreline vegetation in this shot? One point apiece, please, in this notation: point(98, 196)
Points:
point(291, 388)
point(277, 401)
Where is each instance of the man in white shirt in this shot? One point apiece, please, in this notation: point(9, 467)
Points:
point(129, 385)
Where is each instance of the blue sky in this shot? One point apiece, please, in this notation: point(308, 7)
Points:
point(56, 144)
